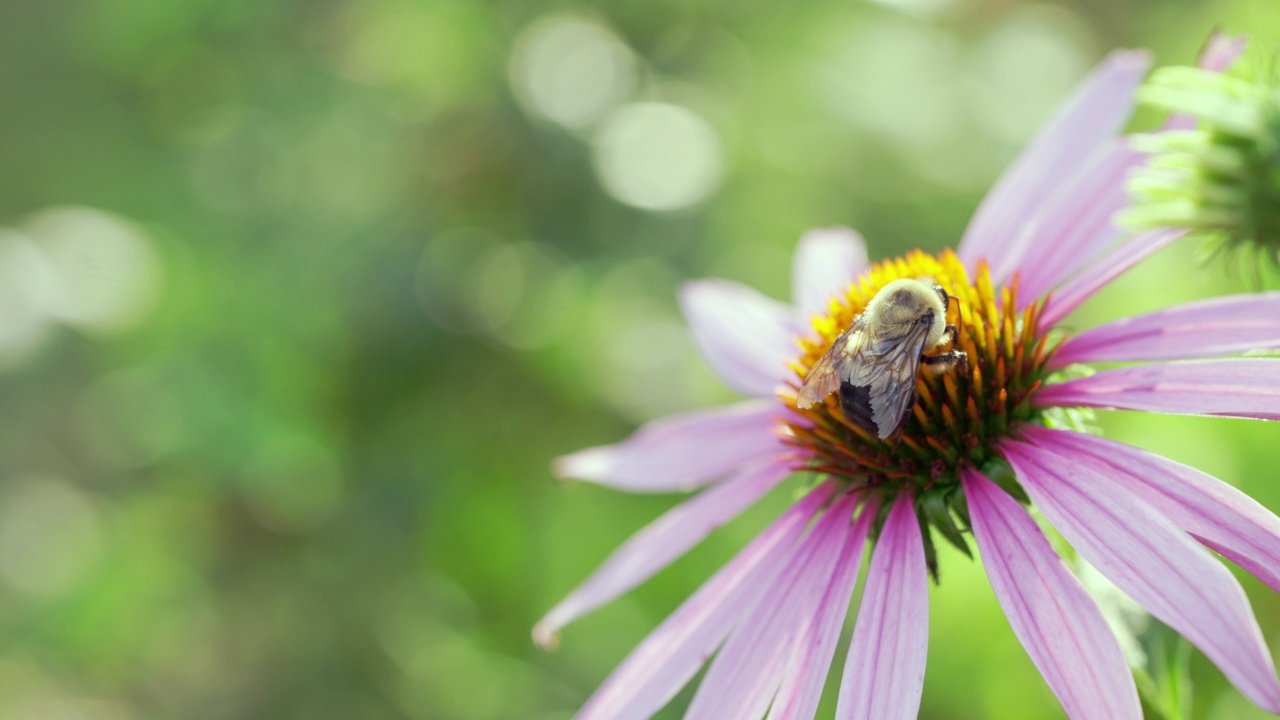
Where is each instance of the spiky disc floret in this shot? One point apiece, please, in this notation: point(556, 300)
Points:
point(959, 415)
point(1223, 176)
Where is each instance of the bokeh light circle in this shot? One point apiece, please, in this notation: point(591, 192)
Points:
point(50, 537)
point(1024, 68)
point(570, 70)
point(109, 275)
point(898, 78)
point(658, 156)
point(29, 285)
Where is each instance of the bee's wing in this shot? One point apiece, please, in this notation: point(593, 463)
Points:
point(888, 371)
point(836, 366)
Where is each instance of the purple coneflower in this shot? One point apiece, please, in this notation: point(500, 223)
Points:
point(982, 443)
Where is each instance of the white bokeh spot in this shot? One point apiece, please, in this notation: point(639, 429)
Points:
point(108, 275)
point(658, 156)
point(1022, 70)
point(29, 285)
point(570, 70)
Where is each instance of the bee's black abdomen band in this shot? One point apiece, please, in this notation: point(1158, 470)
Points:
point(855, 402)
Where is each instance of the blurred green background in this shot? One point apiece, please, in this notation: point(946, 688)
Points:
point(299, 299)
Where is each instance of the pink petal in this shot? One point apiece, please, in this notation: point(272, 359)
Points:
point(745, 337)
point(661, 542)
point(665, 660)
point(1096, 110)
point(1051, 613)
point(1221, 326)
point(1222, 50)
point(884, 673)
point(748, 670)
point(1041, 274)
point(1153, 562)
point(679, 452)
point(806, 671)
point(1244, 387)
point(1215, 513)
point(1101, 272)
point(826, 262)
point(1076, 223)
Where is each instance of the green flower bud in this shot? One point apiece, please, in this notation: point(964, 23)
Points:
point(1222, 175)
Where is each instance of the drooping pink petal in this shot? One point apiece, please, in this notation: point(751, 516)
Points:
point(679, 452)
point(747, 671)
point(1081, 230)
point(884, 673)
point(1205, 328)
point(806, 671)
point(1096, 110)
point(1219, 52)
point(1153, 562)
point(826, 261)
point(1215, 513)
point(1076, 223)
point(745, 337)
point(665, 660)
point(661, 542)
point(1053, 616)
point(1102, 272)
point(1237, 387)
point(1088, 185)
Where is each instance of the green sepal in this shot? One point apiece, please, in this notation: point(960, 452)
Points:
point(1164, 682)
point(999, 472)
point(960, 507)
point(930, 552)
point(934, 509)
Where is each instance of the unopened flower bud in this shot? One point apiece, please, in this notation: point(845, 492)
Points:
point(1222, 175)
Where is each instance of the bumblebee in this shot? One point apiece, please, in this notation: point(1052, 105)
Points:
point(874, 363)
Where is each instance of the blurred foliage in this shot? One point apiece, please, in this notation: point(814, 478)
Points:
point(298, 300)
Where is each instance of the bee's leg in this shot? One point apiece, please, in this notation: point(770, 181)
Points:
point(944, 361)
point(953, 337)
point(953, 333)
